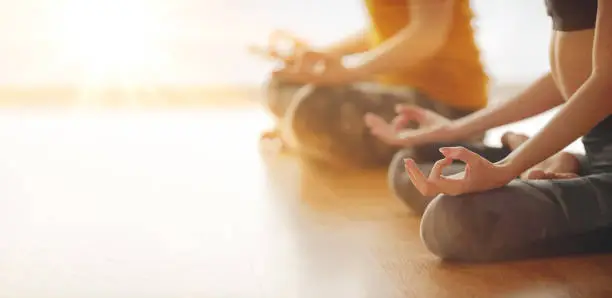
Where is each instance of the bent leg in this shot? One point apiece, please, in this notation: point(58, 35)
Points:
point(278, 95)
point(327, 122)
point(523, 219)
point(276, 99)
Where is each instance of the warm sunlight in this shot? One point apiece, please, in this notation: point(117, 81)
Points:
point(108, 40)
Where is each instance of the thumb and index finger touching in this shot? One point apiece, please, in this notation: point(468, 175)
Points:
point(462, 154)
point(391, 133)
point(407, 113)
point(281, 45)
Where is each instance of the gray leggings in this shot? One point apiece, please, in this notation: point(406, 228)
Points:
point(326, 123)
point(523, 219)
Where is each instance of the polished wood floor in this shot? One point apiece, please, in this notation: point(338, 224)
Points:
point(184, 203)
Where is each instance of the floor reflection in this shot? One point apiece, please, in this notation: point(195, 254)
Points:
point(183, 203)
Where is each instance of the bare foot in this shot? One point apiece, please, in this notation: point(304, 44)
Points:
point(562, 165)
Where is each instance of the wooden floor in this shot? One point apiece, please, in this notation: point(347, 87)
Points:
point(184, 204)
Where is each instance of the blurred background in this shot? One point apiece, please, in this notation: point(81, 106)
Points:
point(147, 51)
point(176, 200)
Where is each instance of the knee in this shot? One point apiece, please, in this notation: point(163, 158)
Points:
point(454, 228)
point(272, 86)
point(277, 95)
point(315, 110)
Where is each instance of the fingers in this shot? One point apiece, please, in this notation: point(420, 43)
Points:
point(462, 154)
point(436, 183)
point(380, 129)
point(438, 167)
point(279, 36)
point(284, 46)
point(408, 164)
point(394, 134)
point(284, 34)
point(419, 180)
point(311, 62)
point(374, 121)
point(399, 122)
point(407, 113)
point(304, 66)
point(444, 184)
point(261, 52)
point(411, 111)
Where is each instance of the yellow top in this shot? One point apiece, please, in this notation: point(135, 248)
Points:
point(455, 74)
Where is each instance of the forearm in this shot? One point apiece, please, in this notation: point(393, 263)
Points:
point(589, 105)
point(541, 96)
point(357, 42)
point(406, 49)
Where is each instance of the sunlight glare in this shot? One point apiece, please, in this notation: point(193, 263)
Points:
point(108, 39)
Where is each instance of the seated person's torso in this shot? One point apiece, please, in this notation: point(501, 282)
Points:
point(573, 22)
point(455, 74)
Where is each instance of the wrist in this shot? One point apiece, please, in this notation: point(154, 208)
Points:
point(360, 73)
point(368, 64)
point(457, 130)
point(332, 53)
point(510, 167)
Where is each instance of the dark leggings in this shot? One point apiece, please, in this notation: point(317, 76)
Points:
point(522, 219)
point(326, 123)
point(525, 219)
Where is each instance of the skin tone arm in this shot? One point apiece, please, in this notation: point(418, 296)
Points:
point(540, 97)
point(429, 27)
point(357, 42)
point(588, 106)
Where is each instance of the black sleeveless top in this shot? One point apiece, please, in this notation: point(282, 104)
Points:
point(572, 15)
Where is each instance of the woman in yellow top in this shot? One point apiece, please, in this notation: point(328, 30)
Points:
point(415, 52)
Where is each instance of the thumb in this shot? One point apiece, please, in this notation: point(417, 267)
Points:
point(381, 129)
point(462, 154)
point(411, 112)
